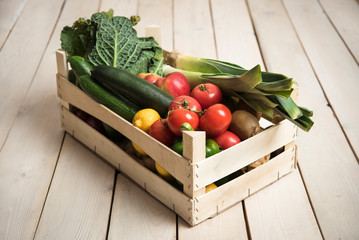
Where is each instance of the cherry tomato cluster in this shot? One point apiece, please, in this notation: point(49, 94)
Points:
point(201, 110)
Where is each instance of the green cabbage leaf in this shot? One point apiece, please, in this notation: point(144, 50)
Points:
point(111, 40)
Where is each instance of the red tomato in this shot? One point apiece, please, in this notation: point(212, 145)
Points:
point(207, 94)
point(227, 140)
point(215, 120)
point(160, 131)
point(186, 102)
point(179, 116)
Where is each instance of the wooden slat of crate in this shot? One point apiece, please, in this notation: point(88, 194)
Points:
point(156, 186)
point(242, 187)
point(174, 163)
point(248, 151)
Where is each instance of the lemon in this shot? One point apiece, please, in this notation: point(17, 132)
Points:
point(210, 187)
point(139, 150)
point(164, 174)
point(144, 118)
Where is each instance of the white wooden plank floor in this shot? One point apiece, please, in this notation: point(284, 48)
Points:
point(52, 187)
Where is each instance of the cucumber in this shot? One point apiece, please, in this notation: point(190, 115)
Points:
point(101, 95)
point(136, 89)
point(80, 66)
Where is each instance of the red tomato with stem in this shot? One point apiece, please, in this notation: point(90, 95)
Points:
point(160, 131)
point(180, 116)
point(215, 120)
point(227, 140)
point(207, 94)
point(185, 102)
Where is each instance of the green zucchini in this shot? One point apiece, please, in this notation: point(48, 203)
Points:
point(80, 66)
point(136, 89)
point(103, 96)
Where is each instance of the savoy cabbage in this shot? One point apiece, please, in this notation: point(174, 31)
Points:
point(111, 40)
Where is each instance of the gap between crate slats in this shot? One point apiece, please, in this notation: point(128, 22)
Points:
point(110, 152)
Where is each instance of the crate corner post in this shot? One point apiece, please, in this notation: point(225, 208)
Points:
point(194, 149)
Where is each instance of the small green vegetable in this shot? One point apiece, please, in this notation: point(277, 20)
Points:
point(186, 127)
point(211, 147)
point(178, 146)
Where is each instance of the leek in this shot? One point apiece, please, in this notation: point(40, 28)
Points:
point(266, 92)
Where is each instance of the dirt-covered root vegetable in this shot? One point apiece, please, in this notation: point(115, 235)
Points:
point(244, 124)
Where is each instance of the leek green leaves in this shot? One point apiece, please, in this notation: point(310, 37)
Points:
point(266, 92)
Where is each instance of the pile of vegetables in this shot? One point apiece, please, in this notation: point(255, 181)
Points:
point(266, 92)
point(127, 74)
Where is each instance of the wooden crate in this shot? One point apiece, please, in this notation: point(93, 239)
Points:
point(192, 169)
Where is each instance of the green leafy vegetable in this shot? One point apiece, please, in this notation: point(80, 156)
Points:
point(111, 40)
point(79, 39)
